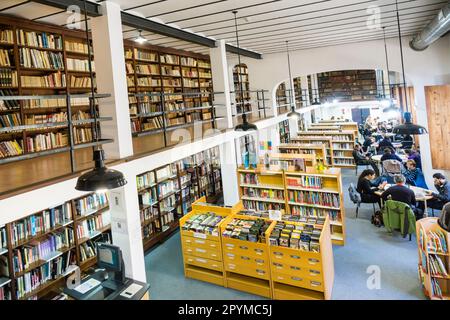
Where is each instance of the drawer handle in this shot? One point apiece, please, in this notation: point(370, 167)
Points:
point(295, 257)
point(313, 261)
point(260, 271)
point(243, 247)
point(280, 278)
point(229, 245)
point(296, 279)
point(200, 250)
point(245, 258)
point(259, 261)
point(278, 265)
point(231, 255)
point(188, 241)
point(213, 246)
point(315, 283)
point(259, 251)
point(214, 266)
point(201, 260)
point(189, 250)
point(295, 268)
point(213, 255)
point(314, 272)
point(199, 241)
point(199, 235)
point(231, 266)
point(278, 254)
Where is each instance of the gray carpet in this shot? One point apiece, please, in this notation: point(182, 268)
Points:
point(366, 246)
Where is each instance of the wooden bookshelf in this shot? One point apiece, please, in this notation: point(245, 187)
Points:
point(240, 74)
point(262, 190)
point(342, 145)
point(434, 260)
point(283, 128)
point(318, 150)
point(288, 159)
point(298, 91)
point(167, 193)
point(77, 223)
point(42, 62)
point(202, 250)
point(318, 140)
point(340, 124)
point(181, 76)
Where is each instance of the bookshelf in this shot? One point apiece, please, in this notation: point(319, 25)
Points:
point(240, 73)
point(167, 193)
point(286, 160)
point(342, 145)
point(282, 97)
point(43, 60)
point(434, 259)
point(167, 88)
point(298, 195)
point(316, 149)
point(283, 128)
point(202, 242)
point(317, 140)
point(298, 92)
point(41, 247)
point(340, 124)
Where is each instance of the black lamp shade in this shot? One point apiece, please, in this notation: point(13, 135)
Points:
point(100, 178)
point(409, 128)
point(246, 126)
point(316, 103)
point(294, 114)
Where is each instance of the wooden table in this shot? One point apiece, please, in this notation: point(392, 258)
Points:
point(420, 194)
point(377, 157)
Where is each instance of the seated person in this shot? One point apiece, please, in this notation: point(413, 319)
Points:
point(365, 189)
point(414, 155)
point(414, 175)
point(399, 192)
point(443, 195)
point(390, 155)
point(385, 143)
point(407, 141)
point(361, 158)
point(367, 143)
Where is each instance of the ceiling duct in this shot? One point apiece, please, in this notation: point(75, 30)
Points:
point(437, 28)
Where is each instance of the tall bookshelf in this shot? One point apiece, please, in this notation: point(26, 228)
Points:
point(318, 150)
point(183, 77)
point(167, 193)
point(240, 74)
point(40, 248)
point(283, 128)
point(298, 92)
point(342, 145)
point(340, 124)
point(298, 195)
point(43, 60)
point(317, 140)
point(434, 259)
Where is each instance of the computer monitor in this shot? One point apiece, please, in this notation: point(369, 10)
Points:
point(109, 257)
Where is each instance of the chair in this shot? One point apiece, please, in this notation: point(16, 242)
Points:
point(359, 163)
point(399, 215)
point(392, 167)
point(355, 197)
point(407, 144)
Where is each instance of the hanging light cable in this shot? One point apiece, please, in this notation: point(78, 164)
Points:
point(292, 114)
point(100, 178)
point(391, 108)
point(245, 126)
point(407, 128)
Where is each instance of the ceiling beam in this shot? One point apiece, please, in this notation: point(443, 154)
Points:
point(243, 52)
point(93, 9)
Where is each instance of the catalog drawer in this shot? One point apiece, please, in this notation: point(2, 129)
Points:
point(245, 248)
point(252, 271)
point(201, 243)
point(204, 263)
point(297, 258)
point(307, 272)
point(213, 254)
point(298, 281)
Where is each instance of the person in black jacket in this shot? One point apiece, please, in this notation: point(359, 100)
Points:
point(443, 195)
point(365, 188)
point(385, 143)
point(362, 159)
point(389, 155)
point(399, 192)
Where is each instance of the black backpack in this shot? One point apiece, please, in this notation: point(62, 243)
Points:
point(377, 219)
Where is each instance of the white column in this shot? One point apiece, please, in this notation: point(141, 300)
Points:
point(111, 78)
point(126, 228)
point(219, 69)
point(293, 127)
point(229, 172)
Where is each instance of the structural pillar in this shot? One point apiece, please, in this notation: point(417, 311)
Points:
point(228, 162)
point(219, 69)
point(111, 78)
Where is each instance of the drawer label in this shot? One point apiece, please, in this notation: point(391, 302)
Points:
point(315, 283)
point(200, 250)
point(295, 257)
point(199, 235)
point(245, 258)
point(201, 260)
point(243, 247)
point(295, 268)
point(200, 241)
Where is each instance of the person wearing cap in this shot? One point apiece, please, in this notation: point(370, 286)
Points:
point(443, 196)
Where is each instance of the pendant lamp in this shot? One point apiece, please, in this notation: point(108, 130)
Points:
point(292, 114)
point(140, 39)
point(407, 128)
point(100, 178)
point(245, 126)
point(391, 108)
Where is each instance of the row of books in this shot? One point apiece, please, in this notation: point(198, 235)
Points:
point(82, 135)
point(317, 198)
point(6, 36)
point(166, 187)
point(342, 138)
point(8, 105)
point(54, 80)
point(345, 162)
point(145, 180)
point(167, 219)
point(39, 39)
point(91, 203)
point(30, 281)
point(27, 255)
point(437, 241)
point(144, 99)
point(53, 103)
point(204, 64)
point(11, 148)
point(74, 46)
point(148, 214)
point(312, 182)
point(191, 117)
point(34, 58)
point(205, 74)
point(437, 266)
point(315, 212)
point(168, 58)
point(189, 83)
point(348, 146)
point(171, 83)
point(151, 123)
point(262, 206)
point(189, 73)
point(150, 230)
point(205, 84)
point(249, 178)
point(188, 62)
point(79, 65)
point(5, 293)
point(145, 69)
point(80, 82)
point(88, 227)
point(148, 198)
point(143, 55)
point(47, 141)
point(10, 120)
point(170, 71)
point(8, 78)
point(145, 108)
point(175, 121)
point(46, 118)
point(3, 238)
point(267, 194)
point(148, 82)
point(6, 56)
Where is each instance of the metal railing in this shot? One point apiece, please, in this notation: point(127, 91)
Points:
point(254, 103)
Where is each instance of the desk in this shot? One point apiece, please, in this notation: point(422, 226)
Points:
point(420, 194)
point(103, 292)
point(377, 157)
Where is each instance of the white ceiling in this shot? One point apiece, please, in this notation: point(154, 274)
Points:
point(264, 25)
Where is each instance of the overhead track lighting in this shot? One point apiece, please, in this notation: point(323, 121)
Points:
point(245, 126)
point(100, 178)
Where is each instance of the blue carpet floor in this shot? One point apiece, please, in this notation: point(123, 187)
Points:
point(366, 247)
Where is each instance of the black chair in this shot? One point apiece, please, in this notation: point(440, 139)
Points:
point(407, 144)
point(359, 163)
point(355, 197)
